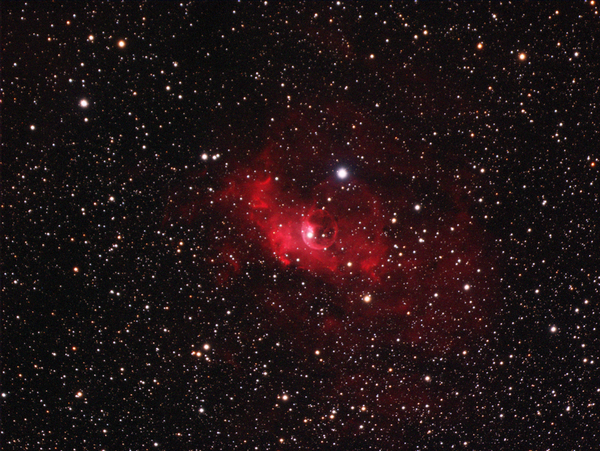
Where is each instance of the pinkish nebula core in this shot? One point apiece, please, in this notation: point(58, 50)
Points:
point(319, 230)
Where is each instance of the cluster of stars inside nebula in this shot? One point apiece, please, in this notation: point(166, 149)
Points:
point(377, 266)
point(309, 226)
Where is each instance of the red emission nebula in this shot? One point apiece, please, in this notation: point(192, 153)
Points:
point(370, 257)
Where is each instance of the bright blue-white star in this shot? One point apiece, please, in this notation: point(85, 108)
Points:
point(342, 173)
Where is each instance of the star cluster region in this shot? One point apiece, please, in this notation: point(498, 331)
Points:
point(298, 225)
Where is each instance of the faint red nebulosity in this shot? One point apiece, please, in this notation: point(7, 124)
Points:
point(393, 246)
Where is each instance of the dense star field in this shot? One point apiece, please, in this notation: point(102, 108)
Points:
point(300, 225)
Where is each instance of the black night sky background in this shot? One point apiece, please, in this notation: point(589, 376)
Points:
point(300, 225)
